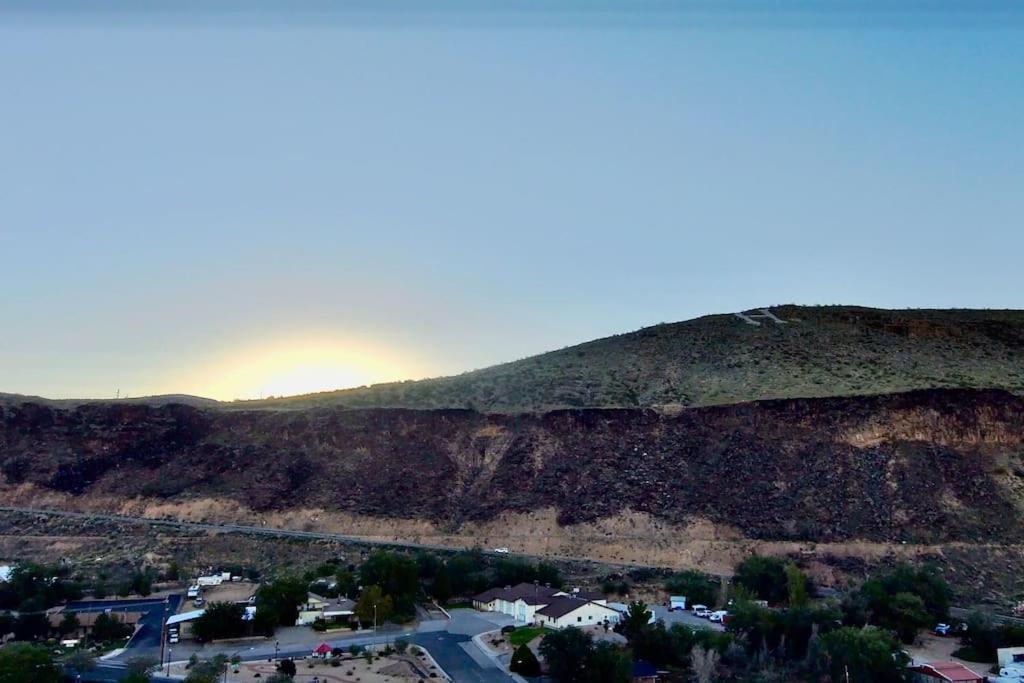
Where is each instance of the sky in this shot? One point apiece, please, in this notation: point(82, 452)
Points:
point(244, 203)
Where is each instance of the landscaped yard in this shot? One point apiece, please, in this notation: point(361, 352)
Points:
point(521, 636)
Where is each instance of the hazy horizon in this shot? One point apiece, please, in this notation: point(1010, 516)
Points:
point(229, 206)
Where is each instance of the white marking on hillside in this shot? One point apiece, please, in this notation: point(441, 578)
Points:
point(756, 318)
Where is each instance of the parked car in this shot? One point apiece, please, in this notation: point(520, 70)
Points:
point(702, 612)
point(507, 629)
point(942, 629)
point(718, 616)
point(503, 550)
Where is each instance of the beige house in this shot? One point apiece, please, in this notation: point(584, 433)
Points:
point(328, 609)
point(532, 604)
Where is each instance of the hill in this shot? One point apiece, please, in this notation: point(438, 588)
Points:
point(935, 466)
point(721, 359)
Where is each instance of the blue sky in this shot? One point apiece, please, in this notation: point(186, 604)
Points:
point(185, 199)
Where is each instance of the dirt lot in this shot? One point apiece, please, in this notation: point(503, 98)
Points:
point(933, 648)
point(357, 670)
point(229, 592)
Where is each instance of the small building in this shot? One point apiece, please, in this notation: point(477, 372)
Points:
point(677, 602)
point(944, 672)
point(180, 622)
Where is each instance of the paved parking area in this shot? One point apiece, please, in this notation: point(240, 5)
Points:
point(686, 618)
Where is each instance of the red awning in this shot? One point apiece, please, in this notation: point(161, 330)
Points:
point(323, 649)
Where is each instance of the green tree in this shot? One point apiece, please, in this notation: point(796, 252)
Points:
point(867, 655)
point(764, 577)
point(549, 575)
point(68, 624)
point(636, 619)
point(140, 664)
point(796, 586)
point(442, 586)
point(608, 664)
point(108, 627)
point(398, 577)
point(137, 677)
point(279, 601)
point(220, 620)
point(906, 615)
point(524, 662)
point(567, 653)
point(25, 663)
point(698, 587)
point(365, 608)
point(31, 626)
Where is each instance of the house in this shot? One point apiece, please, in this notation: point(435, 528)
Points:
point(569, 610)
point(328, 609)
point(86, 620)
point(944, 672)
point(525, 601)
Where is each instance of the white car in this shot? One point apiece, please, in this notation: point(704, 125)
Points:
point(718, 616)
point(701, 611)
point(503, 550)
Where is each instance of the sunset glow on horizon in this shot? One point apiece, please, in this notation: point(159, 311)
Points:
point(293, 367)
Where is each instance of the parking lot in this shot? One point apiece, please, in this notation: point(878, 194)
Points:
point(661, 612)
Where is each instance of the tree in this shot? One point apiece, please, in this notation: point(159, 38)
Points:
point(401, 645)
point(907, 615)
point(68, 624)
point(608, 664)
point(372, 602)
point(636, 618)
point(173, 571)
point(442, 587)
point(279, 601)
point(524, 662)
point(136, 677)
point(567, 653)
point(287, 667)
point(549, 575)
point(867, 655)
point(31, 626)
point(108, 627)
point(398, 577)
point(26, 663)
point(698, 587)
point(796, 586)
point(704, 663)
point(220, 620)
point(764, 577)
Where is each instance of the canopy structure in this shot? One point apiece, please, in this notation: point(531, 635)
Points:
point(322, 649)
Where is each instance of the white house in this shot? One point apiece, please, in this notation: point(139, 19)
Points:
point(572, 611)
point(527, 602)
point(318, 607)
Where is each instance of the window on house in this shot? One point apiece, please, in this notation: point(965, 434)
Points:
point(579, 618)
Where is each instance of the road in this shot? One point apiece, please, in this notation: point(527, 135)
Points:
point(283, 533)
point(447, 641)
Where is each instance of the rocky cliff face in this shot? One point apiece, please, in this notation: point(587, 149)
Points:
point(936, 465)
